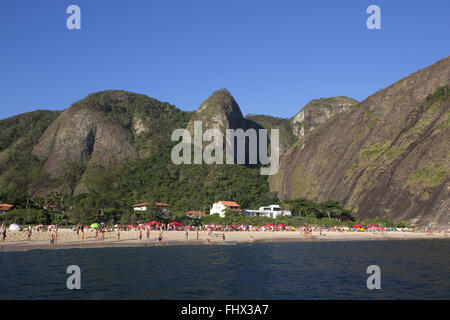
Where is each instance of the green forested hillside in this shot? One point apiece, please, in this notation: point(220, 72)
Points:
point(19, 170)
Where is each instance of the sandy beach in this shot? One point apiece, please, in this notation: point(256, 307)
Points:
point(17, 240)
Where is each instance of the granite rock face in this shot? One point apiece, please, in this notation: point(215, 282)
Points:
point(220, 111)
point(106, 129)
point(385, 157)
point(319, 111)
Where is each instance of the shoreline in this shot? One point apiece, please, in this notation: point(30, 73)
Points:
point(174, 238)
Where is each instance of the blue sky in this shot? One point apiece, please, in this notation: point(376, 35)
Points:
point(274, 56)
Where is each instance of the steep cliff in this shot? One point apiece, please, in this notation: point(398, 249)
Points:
point(220, 111)
point(317, 112)
point(106, 129)
point(385, 157)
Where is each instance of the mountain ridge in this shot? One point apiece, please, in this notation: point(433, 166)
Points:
point(356, 156)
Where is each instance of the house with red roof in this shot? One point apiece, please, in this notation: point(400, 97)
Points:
point(220, 207)
point(144, 206)
point(4, 207)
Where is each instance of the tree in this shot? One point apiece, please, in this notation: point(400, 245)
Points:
point(101, 184)
point(330, 208)
point(302, 207)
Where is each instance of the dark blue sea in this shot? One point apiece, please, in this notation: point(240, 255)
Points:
point(301, 270)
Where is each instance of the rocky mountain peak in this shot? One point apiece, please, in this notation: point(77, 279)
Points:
point(318, 111)
point(219, 111)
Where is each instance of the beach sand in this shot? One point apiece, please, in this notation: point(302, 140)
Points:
point(17, 241)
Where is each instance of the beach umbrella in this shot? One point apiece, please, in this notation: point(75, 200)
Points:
point(175, 223)
point(95, 225)
point(85, 227)
point(14, 227)
point(152, 223)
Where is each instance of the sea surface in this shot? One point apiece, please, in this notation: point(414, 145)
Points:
point(413, 269)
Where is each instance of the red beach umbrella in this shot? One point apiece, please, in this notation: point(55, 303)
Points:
point(175, 223)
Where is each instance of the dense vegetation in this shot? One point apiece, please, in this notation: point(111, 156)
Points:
point(19, 170)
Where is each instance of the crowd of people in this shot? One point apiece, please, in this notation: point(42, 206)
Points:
point(114, 232)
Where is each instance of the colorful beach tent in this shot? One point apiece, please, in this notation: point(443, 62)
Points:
point(152, 223)
point(95, 225)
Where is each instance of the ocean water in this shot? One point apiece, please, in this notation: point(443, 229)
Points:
point(283, 270)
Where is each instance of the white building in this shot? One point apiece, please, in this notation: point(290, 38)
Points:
point(144, 206)
point(272, 211)
point(220, 207)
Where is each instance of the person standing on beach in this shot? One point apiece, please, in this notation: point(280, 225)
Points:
point(118, 234)
point(140, 234)
point(3, 232)
point(29, 233)
point(197, 234)
point(186, 235)
point(160, 237)
point(223, 237)
point(148, 233)
point(52, 240)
